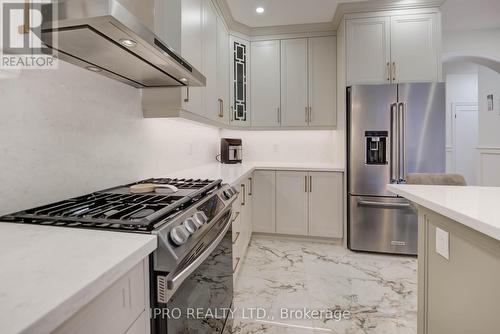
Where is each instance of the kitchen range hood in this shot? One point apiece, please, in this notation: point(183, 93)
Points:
point(108, 37)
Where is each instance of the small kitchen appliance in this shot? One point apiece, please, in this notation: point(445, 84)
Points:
point(231, 151)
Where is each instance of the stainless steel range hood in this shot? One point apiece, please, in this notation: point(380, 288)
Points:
point(107, 36)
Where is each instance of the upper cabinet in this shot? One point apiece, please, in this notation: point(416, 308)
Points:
point(368, 50)
point(294, 102)
point(322, 81)
point(393, 49)
point(222, 72)
point(414, 48)
point(210, 60)
point(294, 83)
point(265, 84)
point(239, 53)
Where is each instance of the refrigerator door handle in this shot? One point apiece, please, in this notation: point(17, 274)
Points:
point(394, 163)
point(384, 204)
point(401, 142)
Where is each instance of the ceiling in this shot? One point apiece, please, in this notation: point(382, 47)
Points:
point(284, 12)
point(460, 15)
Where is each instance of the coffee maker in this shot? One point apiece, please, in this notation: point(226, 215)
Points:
point(231, 151)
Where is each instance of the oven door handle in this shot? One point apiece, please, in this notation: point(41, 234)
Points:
point(175, 279)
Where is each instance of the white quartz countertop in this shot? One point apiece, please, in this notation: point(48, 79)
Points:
point(475, 207)
point(231, 174)
point(47, 273)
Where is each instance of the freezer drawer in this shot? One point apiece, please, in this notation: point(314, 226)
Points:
point(382, 224)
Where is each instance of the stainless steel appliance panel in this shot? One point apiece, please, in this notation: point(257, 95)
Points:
point(423, 138)
point(382, 224)
point(369, 110)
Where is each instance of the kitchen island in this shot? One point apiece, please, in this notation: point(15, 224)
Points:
point(458, 257)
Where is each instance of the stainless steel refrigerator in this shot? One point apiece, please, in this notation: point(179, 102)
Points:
point(393, 130)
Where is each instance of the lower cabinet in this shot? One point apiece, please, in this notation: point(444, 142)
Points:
point(326, 202)
point(242, 223)
point(264, 201)
point(298, 203)
point(123, 308)
point(291, 203)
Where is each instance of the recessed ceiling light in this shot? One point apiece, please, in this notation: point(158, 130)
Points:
point(259, 10)
point(93, 69)
point(183, 79)
point(128, 43)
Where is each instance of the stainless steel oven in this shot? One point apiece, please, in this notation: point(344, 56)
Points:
point(197, 296)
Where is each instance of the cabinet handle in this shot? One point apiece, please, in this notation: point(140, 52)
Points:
point(237, 263)
point(243, 192)
point(394, 71)
point(250, 189)
point(237, 236)
point(310, 184)
point(389, 68)
point(278, 110)
point(232, 114)
point(307, 115)
point(187, 94)
point(310, 114)
point(221, 107)
point(305, 183)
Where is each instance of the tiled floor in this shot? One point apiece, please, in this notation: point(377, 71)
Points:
point(378, 291)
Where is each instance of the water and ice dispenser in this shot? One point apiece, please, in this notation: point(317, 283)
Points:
point(376, 147)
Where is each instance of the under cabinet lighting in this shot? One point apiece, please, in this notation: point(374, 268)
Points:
point(259, 10)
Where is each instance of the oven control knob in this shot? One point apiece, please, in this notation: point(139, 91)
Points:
point(179, 235)
point(200, 218)
point(227, 194)
point(190, 225)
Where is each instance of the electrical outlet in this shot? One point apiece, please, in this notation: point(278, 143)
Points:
point(443, 243)
point(190, 149)
point(276, 148)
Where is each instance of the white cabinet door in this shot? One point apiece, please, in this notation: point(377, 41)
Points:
point(368, 51)
point(414, 48)
point(239, 83)
point(192, 51)
point(222, 72)
point(291, 202)
point(115, 309)
point(210, 60)
point(325, 204)
point(263, 201)
point(265, 84)
point(294, 82)
point(323, 81)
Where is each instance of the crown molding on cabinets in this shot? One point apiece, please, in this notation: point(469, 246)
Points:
point(326, 27)
point(382, 5)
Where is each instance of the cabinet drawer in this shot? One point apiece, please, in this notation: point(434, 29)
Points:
point(114, 310)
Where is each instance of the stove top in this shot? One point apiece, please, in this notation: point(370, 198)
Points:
point(119, 209)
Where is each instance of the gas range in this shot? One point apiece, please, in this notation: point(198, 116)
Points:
point(192, 220)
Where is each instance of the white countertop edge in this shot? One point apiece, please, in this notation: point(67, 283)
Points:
point(471, 222)
point(64, 311)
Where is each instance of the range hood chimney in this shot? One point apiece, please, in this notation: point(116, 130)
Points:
point(108, 37)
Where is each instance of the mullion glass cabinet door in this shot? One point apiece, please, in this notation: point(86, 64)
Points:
point(239, 85)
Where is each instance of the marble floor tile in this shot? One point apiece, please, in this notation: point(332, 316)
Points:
point(286, 279)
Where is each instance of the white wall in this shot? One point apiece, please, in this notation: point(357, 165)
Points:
point(318, 146)
point(67, 132)
point(475, 43)
point(489, 127)
point(461, 86)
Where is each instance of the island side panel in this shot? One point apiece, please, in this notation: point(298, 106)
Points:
point(459, 295)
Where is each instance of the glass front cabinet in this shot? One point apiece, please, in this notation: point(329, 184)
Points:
point(239, 82)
